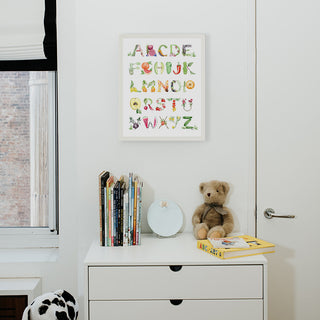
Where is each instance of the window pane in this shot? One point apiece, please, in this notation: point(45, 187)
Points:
point(24, 149)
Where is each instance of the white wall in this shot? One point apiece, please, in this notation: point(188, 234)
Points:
point(173, 169)
point(88, 119)
point(169, 169)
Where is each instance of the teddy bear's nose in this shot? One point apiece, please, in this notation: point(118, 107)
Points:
point(208, 194)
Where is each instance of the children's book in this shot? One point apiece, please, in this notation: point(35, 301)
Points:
point(103, 177)
point(120, 213)
point(131, 207)
point(111, 208)
point(120, 205)
point(234, 242)
point(125, 218)
point(108, 211)
point(139, 212)
point(105, 216)
point(135, 183)
point(116, 207)
point(256, 246)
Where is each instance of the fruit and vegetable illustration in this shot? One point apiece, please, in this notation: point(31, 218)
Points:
point(162, 87)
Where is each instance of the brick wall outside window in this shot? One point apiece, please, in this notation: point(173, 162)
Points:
point(14, 149)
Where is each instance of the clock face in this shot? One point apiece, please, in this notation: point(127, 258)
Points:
point(165, 218)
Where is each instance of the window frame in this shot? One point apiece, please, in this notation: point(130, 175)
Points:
point(42, 237)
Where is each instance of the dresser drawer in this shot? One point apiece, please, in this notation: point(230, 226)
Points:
point(191, 282)
point(187, 310)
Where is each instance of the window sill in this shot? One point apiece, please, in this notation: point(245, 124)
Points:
point(28, 238)
point(29, 255)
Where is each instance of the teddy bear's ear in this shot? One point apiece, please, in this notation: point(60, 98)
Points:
point(201, 187)
point(225, 187)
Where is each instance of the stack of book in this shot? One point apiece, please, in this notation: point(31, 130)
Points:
point(120, 210)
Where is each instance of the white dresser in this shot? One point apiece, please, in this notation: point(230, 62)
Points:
point(169, 278)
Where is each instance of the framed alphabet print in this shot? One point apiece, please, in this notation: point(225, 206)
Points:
point(162, 87)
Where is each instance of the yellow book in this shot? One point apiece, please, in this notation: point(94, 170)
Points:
point(256, 246)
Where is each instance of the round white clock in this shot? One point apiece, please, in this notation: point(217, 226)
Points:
point(165, 218)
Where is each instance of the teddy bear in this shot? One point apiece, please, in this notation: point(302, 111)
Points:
point(212, 219)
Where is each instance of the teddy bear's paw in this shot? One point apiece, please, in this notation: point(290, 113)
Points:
point(202, 233)
point(215, 234)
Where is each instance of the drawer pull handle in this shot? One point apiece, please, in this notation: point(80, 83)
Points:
point(175, 268)
point(176, 302)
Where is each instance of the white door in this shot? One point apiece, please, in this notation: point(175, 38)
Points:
point(288, 130)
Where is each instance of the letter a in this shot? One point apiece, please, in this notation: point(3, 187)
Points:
point(136, 49)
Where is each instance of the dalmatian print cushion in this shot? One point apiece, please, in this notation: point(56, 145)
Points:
point(58, 305)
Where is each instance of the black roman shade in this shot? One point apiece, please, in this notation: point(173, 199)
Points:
point(22, 57)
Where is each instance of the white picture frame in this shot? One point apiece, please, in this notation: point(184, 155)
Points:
point(162, 87)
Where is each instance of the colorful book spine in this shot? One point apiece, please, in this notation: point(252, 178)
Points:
point(135, 213)
point(106, 216)
point(109, 211)
point(125, 218)
point(100, 206)
point(120, 210)
point(120, 223)
point(112, 215)
point(115, 213)
point(103, 177)
point(132, 213)
point(207, 247)
point(130, 209)
point(139, 212)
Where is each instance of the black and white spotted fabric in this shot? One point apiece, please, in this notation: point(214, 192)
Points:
point(58, 305)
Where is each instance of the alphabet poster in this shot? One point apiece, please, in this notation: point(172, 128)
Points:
point(162, 87)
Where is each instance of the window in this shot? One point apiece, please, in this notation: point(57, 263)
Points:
point(28, 124)
point(28, 159)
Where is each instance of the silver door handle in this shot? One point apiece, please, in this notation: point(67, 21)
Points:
point(269, 213)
